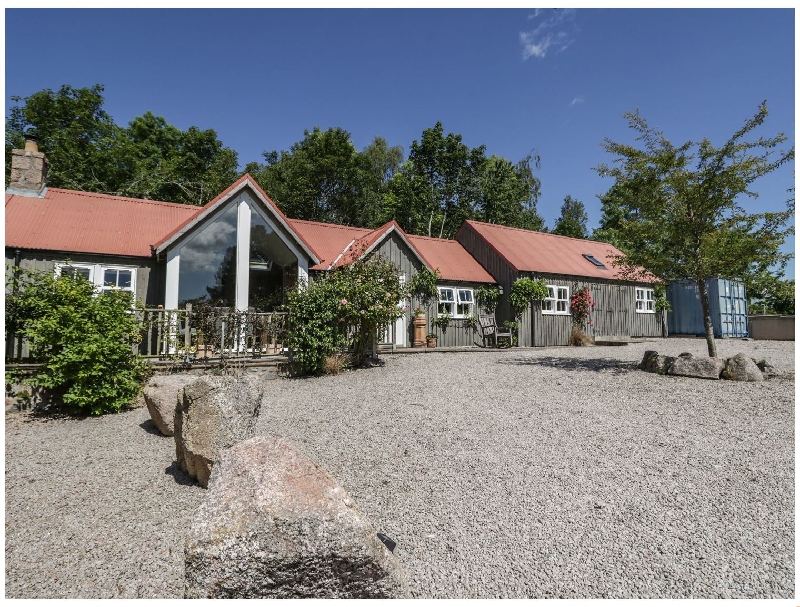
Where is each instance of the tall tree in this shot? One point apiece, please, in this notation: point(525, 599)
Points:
point(508, 193)
point(437, 188)
point(74, 132)
point(682, 204)
point(87, 151)
point(573, 218)
point(611, 217)
point(316, 179)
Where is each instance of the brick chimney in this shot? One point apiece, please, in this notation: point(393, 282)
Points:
point(28, 169)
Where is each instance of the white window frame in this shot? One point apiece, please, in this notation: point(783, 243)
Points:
point(448, 304)
point(645, 301)
point(97, 274)
point(452, 305)
point(557, 301)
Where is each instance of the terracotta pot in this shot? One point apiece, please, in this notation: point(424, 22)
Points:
point(431, 343)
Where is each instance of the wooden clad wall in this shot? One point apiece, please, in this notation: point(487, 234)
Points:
point(614, 315)
point(494, 264)
point(395, 250)
point(457, 334)
point(148, 271)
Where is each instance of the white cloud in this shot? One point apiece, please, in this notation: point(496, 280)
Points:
point(577, 101)
point(556, 28)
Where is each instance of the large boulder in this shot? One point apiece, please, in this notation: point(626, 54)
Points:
point(161, 395)
point(703, 367)
point(213, 414)
point(767, 369)
point(741, 368)
point(275, 525)
point(652, 362)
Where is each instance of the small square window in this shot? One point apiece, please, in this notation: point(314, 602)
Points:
point(645, 300)
point(557, 301)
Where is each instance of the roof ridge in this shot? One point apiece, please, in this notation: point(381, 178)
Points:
point(497, 225)
point(333, 225)
point(433, 238)
point(125, 198)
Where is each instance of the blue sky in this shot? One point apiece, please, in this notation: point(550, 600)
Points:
point(516, 80)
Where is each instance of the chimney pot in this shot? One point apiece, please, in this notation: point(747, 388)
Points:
point(31, 142)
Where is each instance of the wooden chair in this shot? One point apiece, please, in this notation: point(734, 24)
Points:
point(490, 332)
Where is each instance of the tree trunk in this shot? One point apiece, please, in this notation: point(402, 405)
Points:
point(712, 347)
point(664, 327)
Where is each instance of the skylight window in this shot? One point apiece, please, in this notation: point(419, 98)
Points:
point(594, 260)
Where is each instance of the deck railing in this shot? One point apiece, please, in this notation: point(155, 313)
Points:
point(211, 333)
point(196, 335)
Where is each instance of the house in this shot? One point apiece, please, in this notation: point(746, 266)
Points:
point(238, 250)
point(624, 308)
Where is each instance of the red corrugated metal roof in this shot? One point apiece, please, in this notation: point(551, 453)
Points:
point(530, 251)
point(202, 212)
point(450, 258)
point(85, 222)
point(327, 240)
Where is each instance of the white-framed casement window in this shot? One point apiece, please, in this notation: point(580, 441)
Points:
point(104, 278)
point(458, 302)
point(557, 300)
point(645, 301)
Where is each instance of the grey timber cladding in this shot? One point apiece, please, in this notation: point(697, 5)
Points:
point(499, 269)
point(614, 315)
point(395, 250)
point(149, 272)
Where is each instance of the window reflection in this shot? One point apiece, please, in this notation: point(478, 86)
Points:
point(273, 267)
point(208, 263)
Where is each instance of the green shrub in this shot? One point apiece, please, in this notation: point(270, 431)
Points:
point(341, 311)
point(487, 297)
point(84, 341)
point(524, 291)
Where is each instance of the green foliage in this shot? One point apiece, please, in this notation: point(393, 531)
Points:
point(487, 296)
point(572, 221)
point(581, 306)
point(677, 206)
point(661, 302)
point(84, 341)
point(524, 291)
point(513, 326)
point(445, 182)
point(342, 310)
point(471, 323)
point(423, 286)
point(441, 321)
point(87, 151)
point(774, 294)
point(325, 178)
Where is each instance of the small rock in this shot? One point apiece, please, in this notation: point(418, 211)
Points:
point(160, 394)
point(741, 368)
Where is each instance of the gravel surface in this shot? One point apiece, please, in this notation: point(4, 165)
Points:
point(558, 472)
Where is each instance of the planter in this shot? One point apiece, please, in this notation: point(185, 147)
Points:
point(431, 342)
point(420, 323)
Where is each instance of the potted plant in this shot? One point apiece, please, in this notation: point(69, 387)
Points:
point(431, 340)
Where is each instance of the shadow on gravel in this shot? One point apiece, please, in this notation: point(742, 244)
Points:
point(597, 365)
point(180, 476)
point(150, 427)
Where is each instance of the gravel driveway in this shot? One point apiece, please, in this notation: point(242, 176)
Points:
point(546, 473)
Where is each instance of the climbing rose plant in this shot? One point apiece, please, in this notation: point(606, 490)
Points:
point(581, 306)
point(343, 311)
